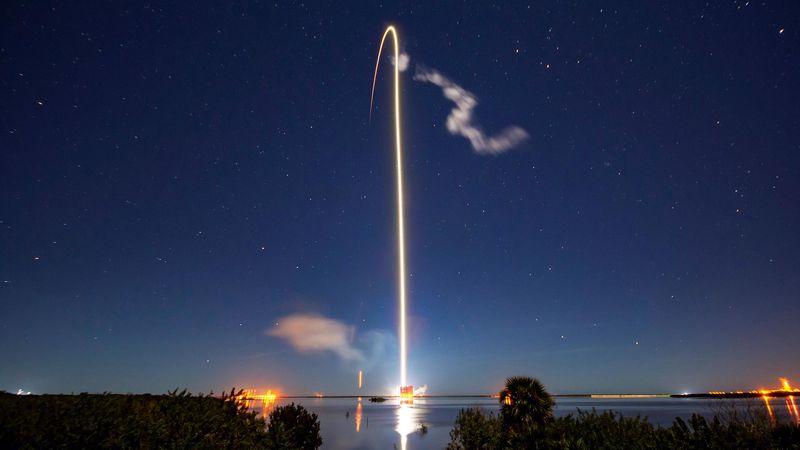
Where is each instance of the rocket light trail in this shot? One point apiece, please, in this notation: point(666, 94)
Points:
point(401, 240)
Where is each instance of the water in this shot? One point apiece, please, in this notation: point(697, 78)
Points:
point(375, 425)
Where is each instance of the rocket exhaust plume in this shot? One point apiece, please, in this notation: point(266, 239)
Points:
point(401, 240)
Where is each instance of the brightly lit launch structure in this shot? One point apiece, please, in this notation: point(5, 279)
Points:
point(406, 391)
point(249, 399)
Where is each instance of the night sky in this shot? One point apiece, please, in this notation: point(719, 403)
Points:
point(175, 180)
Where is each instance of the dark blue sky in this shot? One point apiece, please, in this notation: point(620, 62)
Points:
point(174, 180)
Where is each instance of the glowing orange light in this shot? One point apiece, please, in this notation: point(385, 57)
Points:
point(401, 240)
point(248, 398)
point(360, 378)
point(358, 417)
point(406, 394)
point(791, 405)
point(785, 388)
point(769, 409)
point(249, 395)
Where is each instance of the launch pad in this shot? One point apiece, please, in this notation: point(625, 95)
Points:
point(407, 394)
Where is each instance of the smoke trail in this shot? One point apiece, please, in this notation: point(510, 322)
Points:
point(460, 121)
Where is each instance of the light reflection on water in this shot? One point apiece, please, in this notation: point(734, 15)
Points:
point(359, 414)
point(347, 423)
point(409, 420)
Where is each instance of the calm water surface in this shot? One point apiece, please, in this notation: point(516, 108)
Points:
point(377, 425)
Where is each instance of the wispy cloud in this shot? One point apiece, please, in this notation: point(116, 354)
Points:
point(461, 122)
point(313, 333)
point(310, 333)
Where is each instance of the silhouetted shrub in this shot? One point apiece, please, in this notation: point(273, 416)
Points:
point(526, 422)
point(524, 402)
point(292, 427)
point(606, 430)
point(475, 430)
point(176, 420)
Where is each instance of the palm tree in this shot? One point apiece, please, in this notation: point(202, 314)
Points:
point(525, 402)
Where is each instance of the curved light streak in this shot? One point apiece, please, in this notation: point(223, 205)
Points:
point(401, 240)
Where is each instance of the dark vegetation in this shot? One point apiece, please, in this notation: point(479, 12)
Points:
point(526, 422)
point(172, 421)
point(292, 427)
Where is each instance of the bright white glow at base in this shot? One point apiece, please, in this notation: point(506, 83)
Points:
point(401, 240)
point(405, 420)
point(408, 420)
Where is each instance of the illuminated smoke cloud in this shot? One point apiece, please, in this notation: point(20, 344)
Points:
point(309, 333)
point(404, 60)
point(460, 121)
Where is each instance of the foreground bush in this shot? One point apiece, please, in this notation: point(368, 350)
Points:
point(176, 420)
point(524, 403)
point(526, 422)
point(291, 427)
point(475, 429)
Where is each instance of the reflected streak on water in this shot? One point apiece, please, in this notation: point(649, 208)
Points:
point(792, 407)
point(359, 413)
point(408, 421)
